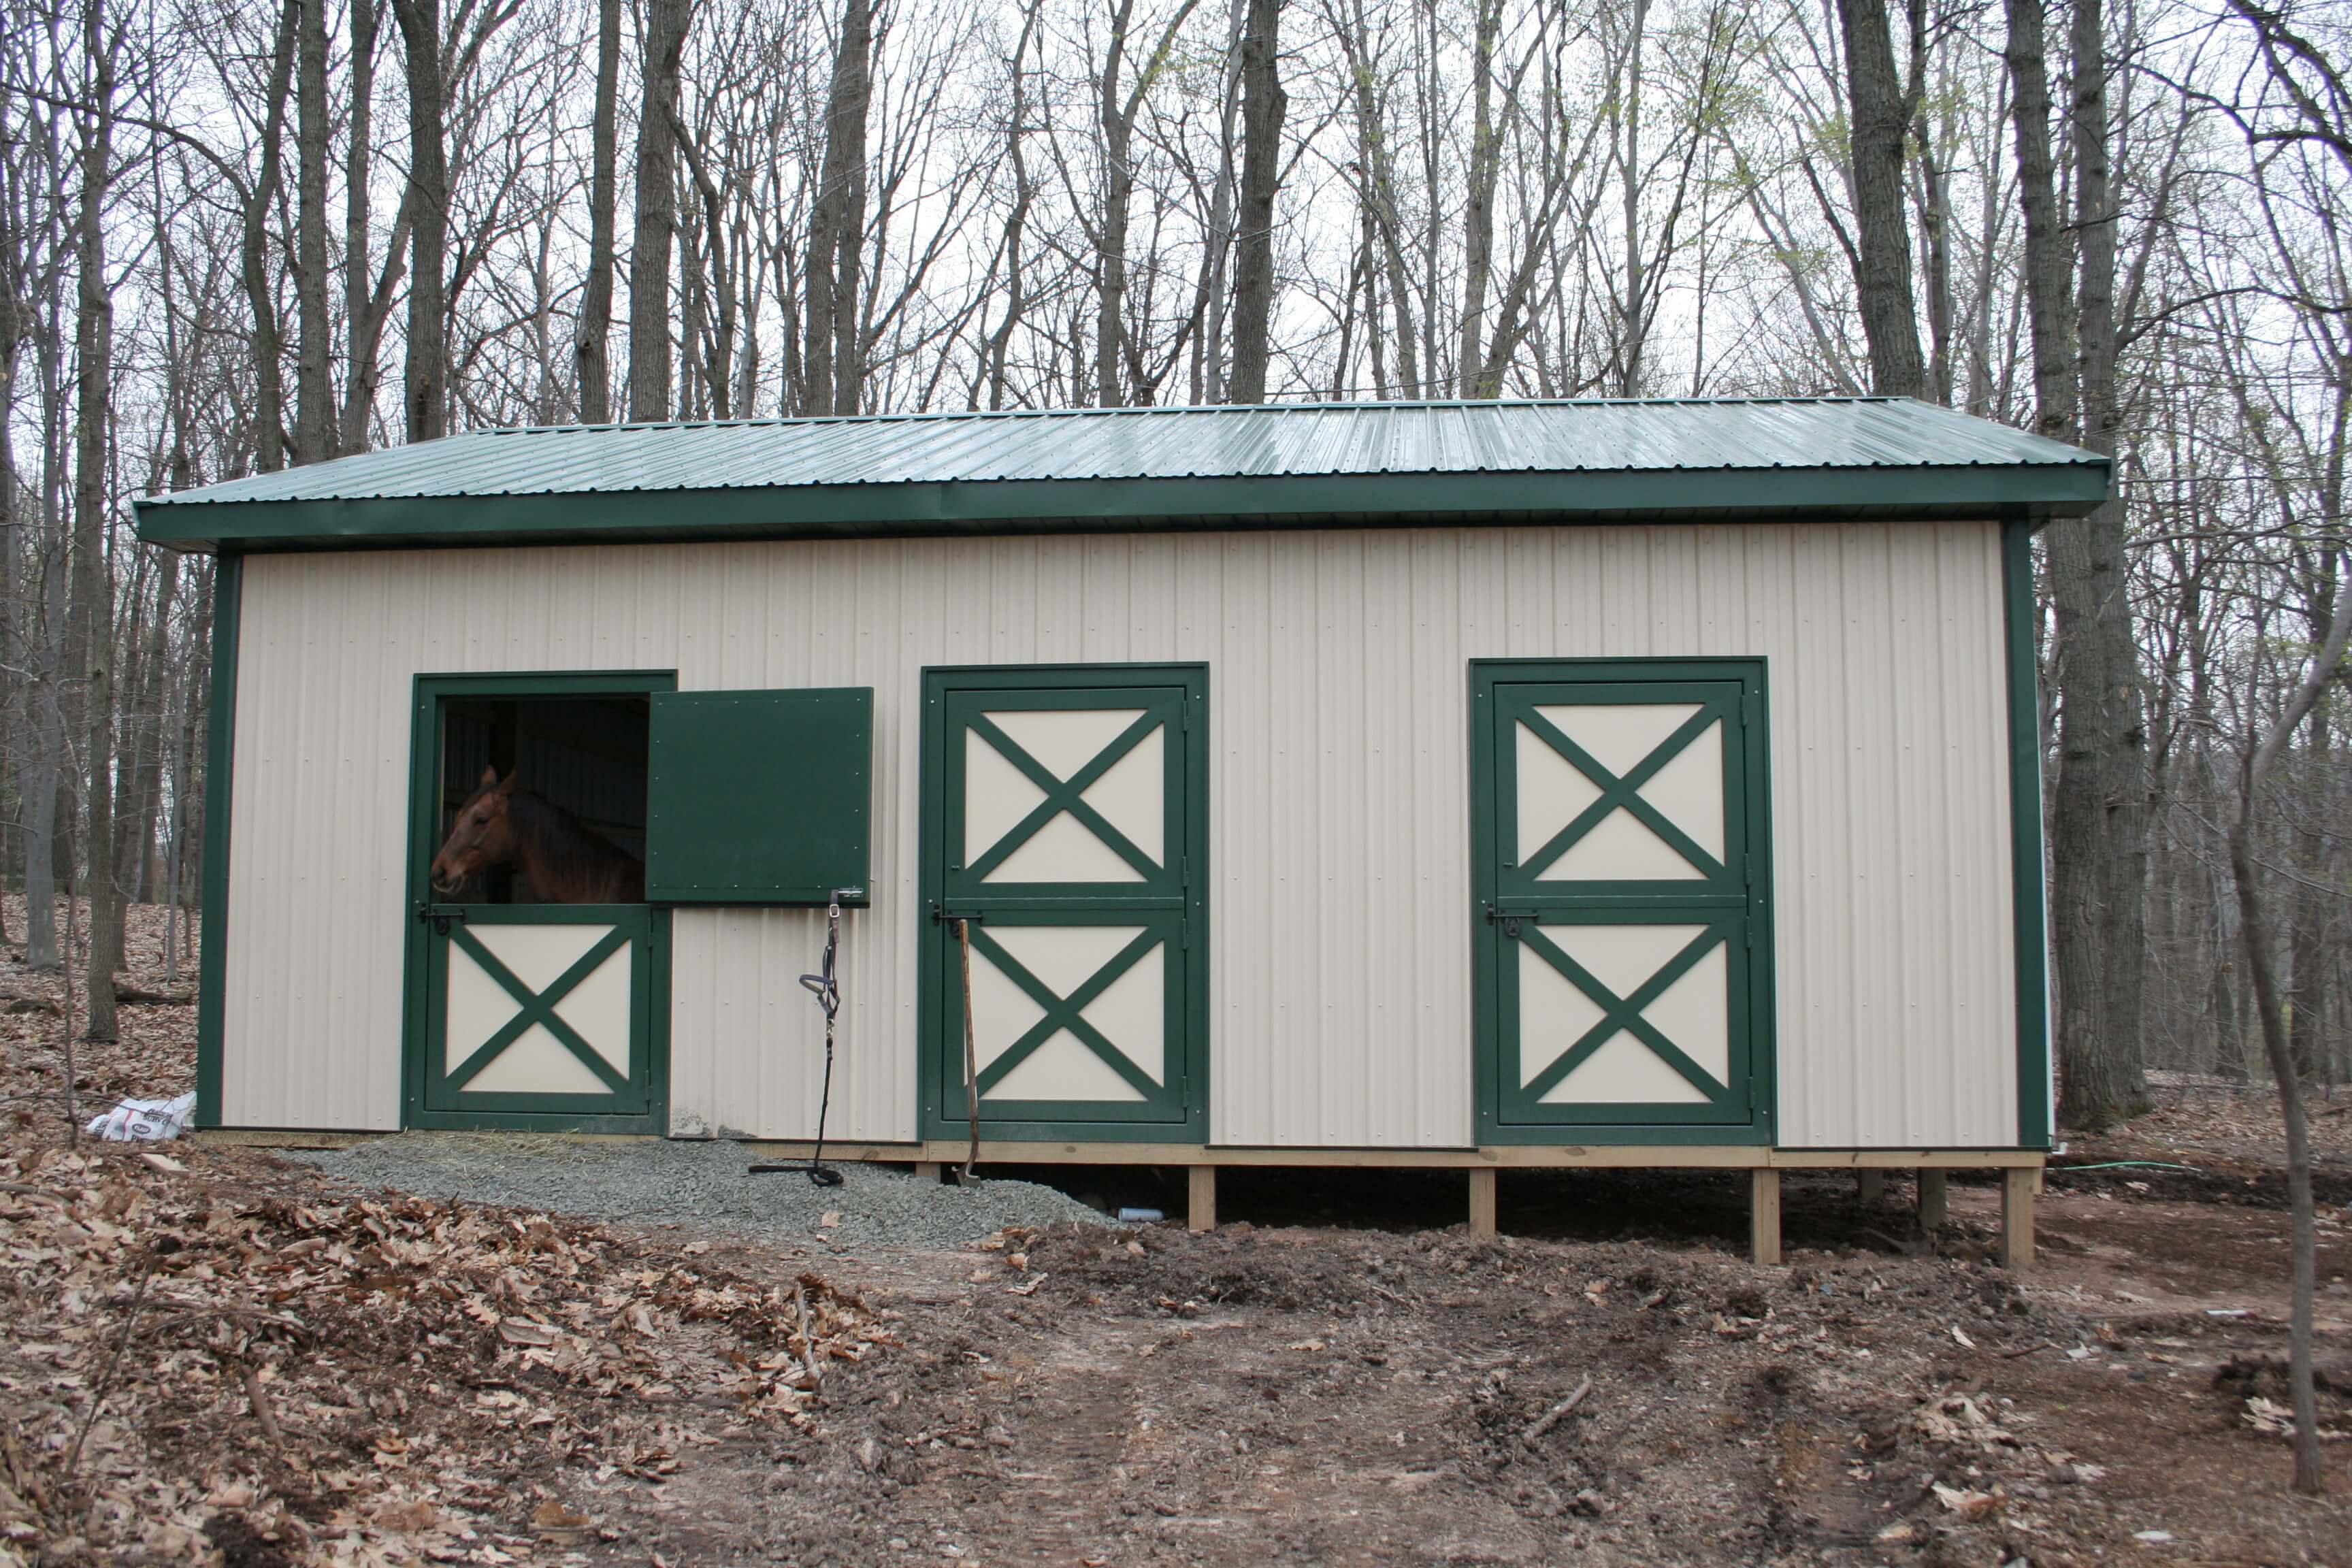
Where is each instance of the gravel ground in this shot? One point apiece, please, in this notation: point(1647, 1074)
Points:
point(702, 1187)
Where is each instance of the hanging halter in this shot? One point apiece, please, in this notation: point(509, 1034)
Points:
point(827, 991)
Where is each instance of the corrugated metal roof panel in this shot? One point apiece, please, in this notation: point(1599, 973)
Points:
point(1283, 464)
point(1176, 443)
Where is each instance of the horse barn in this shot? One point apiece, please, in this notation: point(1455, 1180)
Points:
point(1485, 785)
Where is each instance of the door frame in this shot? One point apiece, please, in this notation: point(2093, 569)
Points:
point(1189, 1051)
point(1487, 942)
point(424, 821)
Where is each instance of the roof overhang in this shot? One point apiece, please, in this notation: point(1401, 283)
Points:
point(1924, 493)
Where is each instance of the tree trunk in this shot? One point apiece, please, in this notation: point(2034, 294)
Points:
point(649, 257)
point(46, 766)
point(1881, 118)
point(140, 793)
point(1118, 125)
point(2310, 1472)
point(2100, 823)
point(91, 610)
point(1218, 243)
point(2099, 799)
point(424, 395)
point(265, 339)
point(13, 620)
point(314, 411)
point(363, 310)
point(594, 350)
point(2310, 954)
point(1262, 104)
point(1478, 214)
point(837, 224)
point(2048, 277)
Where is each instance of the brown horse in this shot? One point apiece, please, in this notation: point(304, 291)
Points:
point(562, 860)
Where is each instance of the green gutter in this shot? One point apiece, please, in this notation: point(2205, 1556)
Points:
point(212, 964)
point(2030, 916)
point(1923, 493)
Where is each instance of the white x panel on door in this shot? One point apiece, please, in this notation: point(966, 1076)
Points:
point(1130, 795)
point(1553, 792)
point(478, 1006)
point(1555, 1014)
point(1131, 1013)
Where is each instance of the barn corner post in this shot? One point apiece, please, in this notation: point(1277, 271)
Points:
point(212, 960)
point(2029, 889)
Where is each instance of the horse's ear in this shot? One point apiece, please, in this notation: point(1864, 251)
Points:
point(489, 778)
point(506, 784)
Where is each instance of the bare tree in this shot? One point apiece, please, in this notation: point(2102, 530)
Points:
point(1883, 111)
point(649, 258)
point(424, 395)
point(1262, 104)
point(837, 245)
point(92, 633)
point(314, 410)
point(595, 349)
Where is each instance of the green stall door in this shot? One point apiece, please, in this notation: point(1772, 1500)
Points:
point(759, 797)
point(1622, 934)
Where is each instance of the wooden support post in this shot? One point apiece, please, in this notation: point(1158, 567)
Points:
point(1871, 1182)
point(1933, 1204)
point(2017, 1220)
point(1482, 1200)
point(1202, 1196)
point(1764, 1215)
point(928, 1170)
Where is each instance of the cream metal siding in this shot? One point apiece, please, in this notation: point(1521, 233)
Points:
point(1338, 802)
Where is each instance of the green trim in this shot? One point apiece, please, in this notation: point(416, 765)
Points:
point(1172, 900)
point(642, 1108)
point(1732, 900)
point(1910, 492)
point(220, 747)
point(2028, 892)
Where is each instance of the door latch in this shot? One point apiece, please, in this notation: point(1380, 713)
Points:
point(1512, 920)
point(942, 915)
point(439, 916)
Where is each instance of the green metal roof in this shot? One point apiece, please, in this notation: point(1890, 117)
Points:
point(1089, 470)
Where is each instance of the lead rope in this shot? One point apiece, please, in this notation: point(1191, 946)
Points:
point(829, 997)
point(970, 1062)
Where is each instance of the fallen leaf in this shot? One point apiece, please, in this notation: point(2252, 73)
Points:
point(829, 1220)
point(553, 1515)
point(523, 1331)
point(414, 1516)
point(1967, 1504)
point(1963, 1338)
point(163, 1162)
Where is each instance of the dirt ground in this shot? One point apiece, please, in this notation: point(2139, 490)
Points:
point(234, 1361)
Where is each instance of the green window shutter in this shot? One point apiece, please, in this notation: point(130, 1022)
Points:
point(759, 797)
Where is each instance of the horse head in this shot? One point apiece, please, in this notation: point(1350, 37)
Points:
point(483, 835)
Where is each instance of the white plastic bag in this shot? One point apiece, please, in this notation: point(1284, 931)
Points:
point(145, 1121)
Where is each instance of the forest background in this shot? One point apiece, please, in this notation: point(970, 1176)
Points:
point(240, 236)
